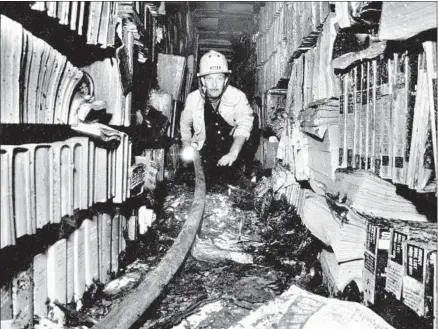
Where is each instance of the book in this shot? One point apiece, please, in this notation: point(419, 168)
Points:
point(80, 27)
point(56, 186)
point(123, 226)
point(79, 263)
point(22, 191)
point(11, 52)
point(349, 120)
point(338, 275)
point(102, 36)
point(431, 68)
point(101, 175)
point(386, 112)
point(57, 276)
point(66, 179)
point(342, 122)
point(91, 251)
point(115, 235)
point(93, 22)
point(419, 128)
point(22, 297)
point(363, 115)
point(357, 116)
point(70, 263)
point(119, 171)
point(91, 169)
point(6, 198)
point(43, 175)
point(40, 284)
point(399, 113)
point(368, 113)
point(371, 128)
point(79, 149)
point(45, 116)
point(411, 76)
point(420, 251)
point(58, 70)
point(378, 117)
point(362, 188)
point(26, 60)
point(104, 228)
point(132, 227)
point(74, 11)
point(33, 87)
point(345, 237)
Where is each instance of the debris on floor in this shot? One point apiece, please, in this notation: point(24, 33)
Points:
point(297, 308)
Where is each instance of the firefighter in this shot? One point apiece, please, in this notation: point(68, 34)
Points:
point(217, 118)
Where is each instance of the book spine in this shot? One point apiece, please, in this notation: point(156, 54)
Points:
point(378, 118)
point(350, 119)
point(399, 117)
point(386, 104)
point(430, 50)
point(357, 114)
point(412, 78)
point(342, 123)
point(363, 117)
point(371, 115)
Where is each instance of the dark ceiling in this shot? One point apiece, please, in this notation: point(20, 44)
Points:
point(222, 25)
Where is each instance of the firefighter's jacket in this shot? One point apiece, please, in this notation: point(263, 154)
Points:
point(233, 107)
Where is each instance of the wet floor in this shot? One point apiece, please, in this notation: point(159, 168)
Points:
point(258, 254)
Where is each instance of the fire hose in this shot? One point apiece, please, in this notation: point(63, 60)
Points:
point(132, 308)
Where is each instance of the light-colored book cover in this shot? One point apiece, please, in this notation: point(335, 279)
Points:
point(115, 235)
point(57, 271)
point(70, 281)
point(104, 226)
point(79, 262)
point(40, 284)
point(91, 251)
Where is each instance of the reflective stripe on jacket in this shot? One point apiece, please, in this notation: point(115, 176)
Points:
point(234, 108)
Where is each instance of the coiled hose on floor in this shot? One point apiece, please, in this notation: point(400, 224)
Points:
point(133, 306)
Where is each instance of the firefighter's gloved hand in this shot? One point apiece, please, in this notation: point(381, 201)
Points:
point(228, 159)
point(188, 152)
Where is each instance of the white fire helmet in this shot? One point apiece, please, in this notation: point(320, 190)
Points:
point(213, 62)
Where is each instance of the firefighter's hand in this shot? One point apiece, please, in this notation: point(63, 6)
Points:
point(227, 159)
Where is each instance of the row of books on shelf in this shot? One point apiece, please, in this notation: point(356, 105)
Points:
point(311, 69)
point(41, 183)
point(387, 118)
point(312, 77)
point(95, 20)
point(37, 82)
point(70, 266)
point(297, 23)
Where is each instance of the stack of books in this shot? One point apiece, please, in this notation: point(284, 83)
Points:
point(336, 275)
point(287, 29)
point(360, 189)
